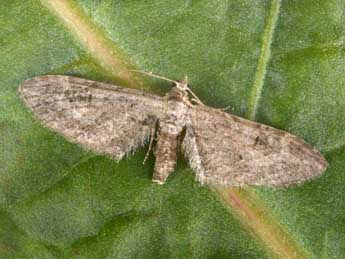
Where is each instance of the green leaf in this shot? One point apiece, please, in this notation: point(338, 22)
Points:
point(277, 62)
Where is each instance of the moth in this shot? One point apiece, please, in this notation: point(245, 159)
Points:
point(222, 149)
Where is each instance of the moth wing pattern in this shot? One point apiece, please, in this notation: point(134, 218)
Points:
point(105, 118)
point(228, 151)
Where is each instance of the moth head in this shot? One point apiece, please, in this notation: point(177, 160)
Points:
point(184, 88)
point(178, 92)
point(183, 84)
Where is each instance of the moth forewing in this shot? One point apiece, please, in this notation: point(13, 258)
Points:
point(107, 119)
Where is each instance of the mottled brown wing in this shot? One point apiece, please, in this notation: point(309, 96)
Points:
point(226, 150)
point(105, 118)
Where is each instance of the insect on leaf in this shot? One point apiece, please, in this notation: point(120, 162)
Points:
point(223, 149)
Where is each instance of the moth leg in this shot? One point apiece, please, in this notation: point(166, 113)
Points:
point(197, 101)
point(152, 138)
point(229, 107)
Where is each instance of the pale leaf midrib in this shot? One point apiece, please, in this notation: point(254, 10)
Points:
point(263, 61)
point(101, 48)
point(257, 218)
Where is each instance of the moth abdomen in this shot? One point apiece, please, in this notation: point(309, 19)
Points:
point(166, 156)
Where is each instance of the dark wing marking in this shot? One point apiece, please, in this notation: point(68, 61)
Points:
point(226, 150)
point(105, 118)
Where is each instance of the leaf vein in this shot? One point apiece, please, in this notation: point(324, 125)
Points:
point(263, 61)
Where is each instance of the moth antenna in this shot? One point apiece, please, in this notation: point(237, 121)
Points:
point(195, 98)
point(182, 85)
point(154, 75)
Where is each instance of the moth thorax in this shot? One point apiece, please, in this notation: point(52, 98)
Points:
point(177, 94)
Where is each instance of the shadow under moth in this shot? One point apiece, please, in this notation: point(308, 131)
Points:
point(222, 149)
